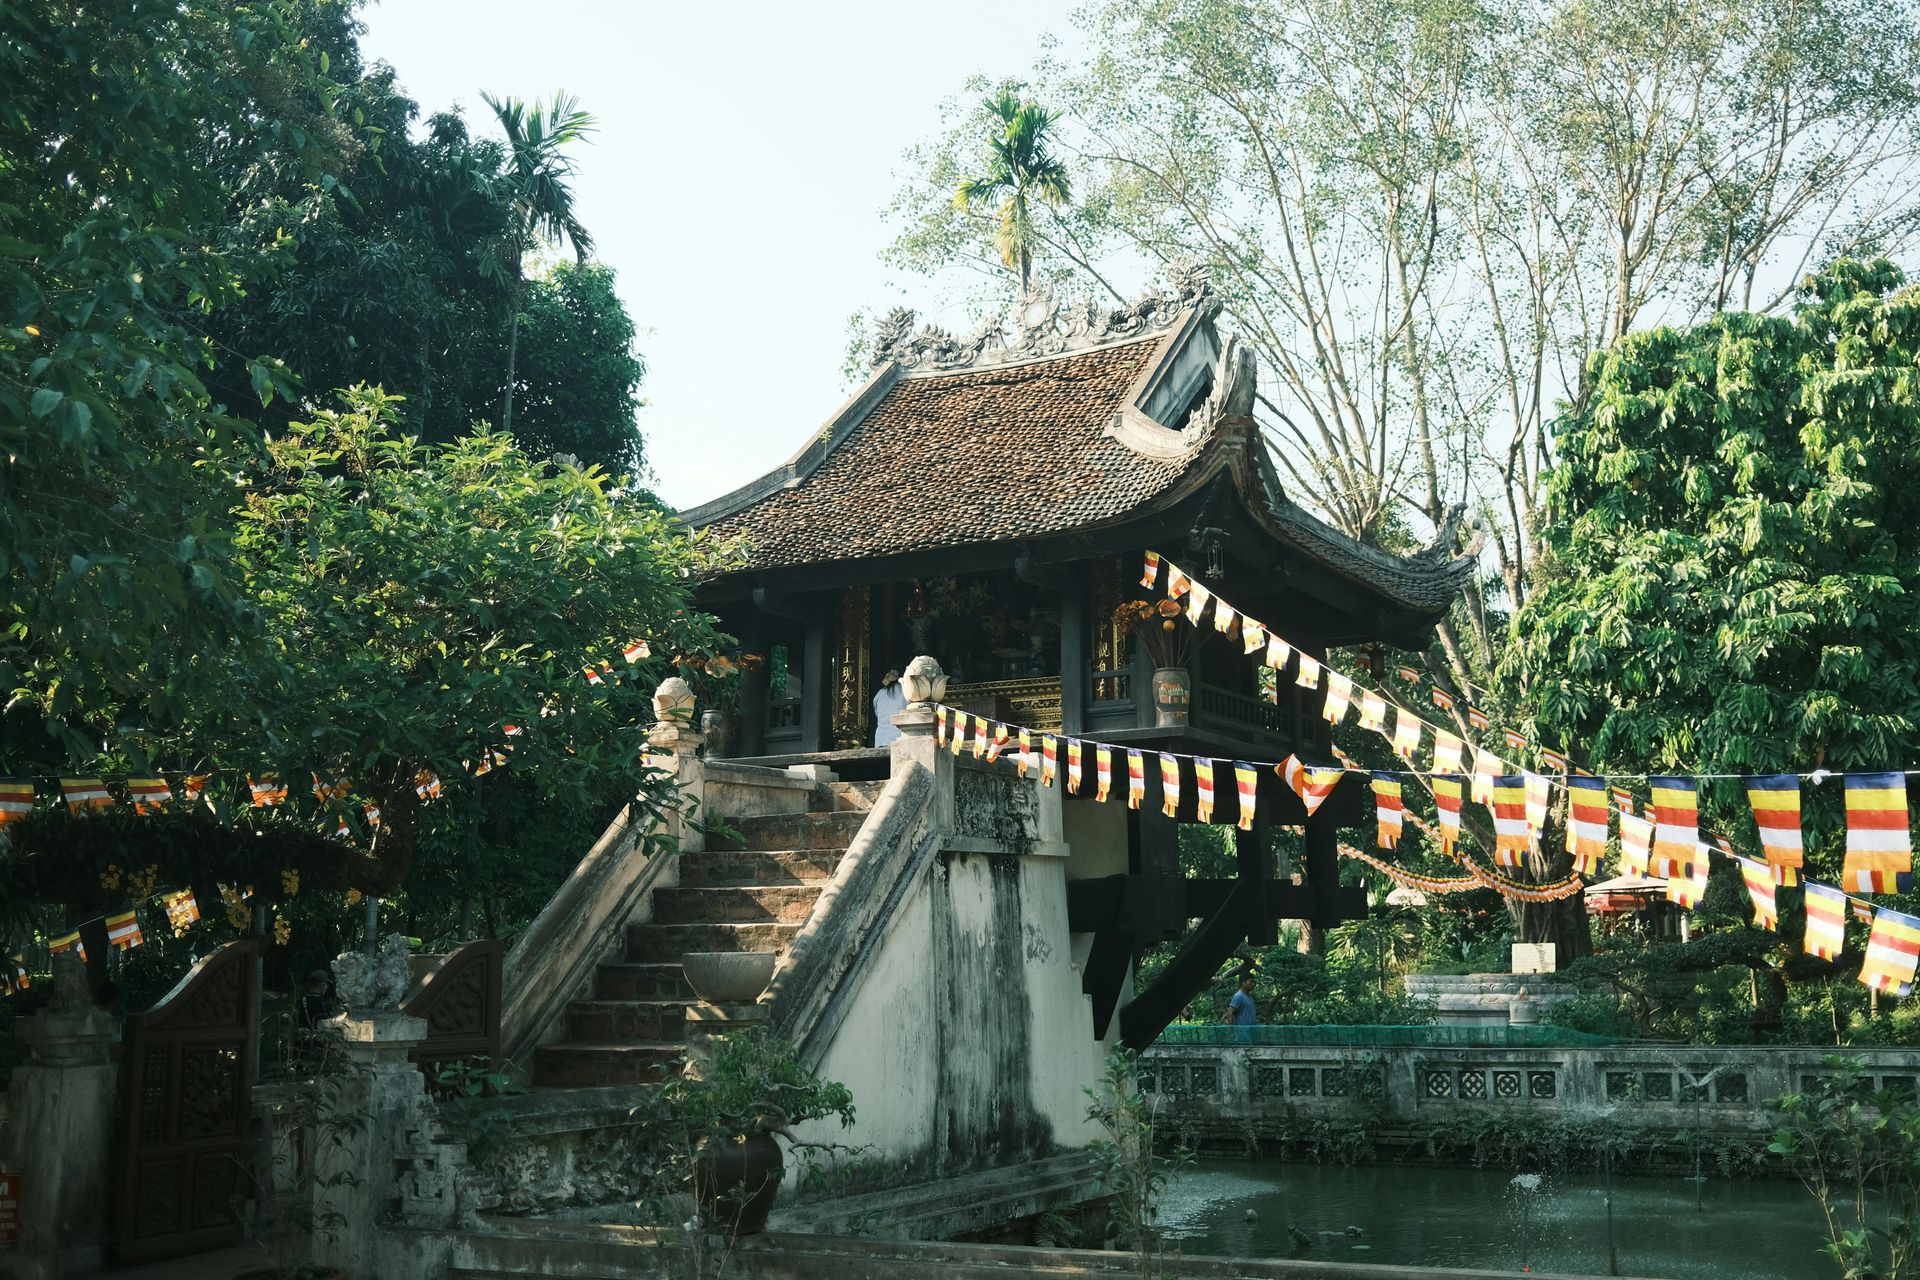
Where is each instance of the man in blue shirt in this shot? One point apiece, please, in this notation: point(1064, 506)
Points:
point(1240, 1012)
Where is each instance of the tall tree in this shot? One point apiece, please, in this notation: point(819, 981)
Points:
point(537, 187)
point(580, 374)
point(1021, 170)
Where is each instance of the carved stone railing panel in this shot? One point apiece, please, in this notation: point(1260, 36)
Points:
point(460, 1000)
point(998, 806)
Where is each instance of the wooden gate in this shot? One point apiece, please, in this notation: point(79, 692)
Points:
point(187, 1081)
point(460, 999)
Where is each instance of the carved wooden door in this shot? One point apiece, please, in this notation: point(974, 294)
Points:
point(186, 1074)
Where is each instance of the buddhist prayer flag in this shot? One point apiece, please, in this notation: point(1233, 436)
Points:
point(1515, 741)
point(1760, 888)
point(182, 910)
point(979, 738)
point(1676, 826)
point(1775, 798)
point(1252, 634)
point(372, 811)
point(514, 730)
point(940, 725)
point(149, 795)
point(16, 800)
point(1636, 844)
point(68, 942)
point(1389, 809)
point(591, 673)
point(1102, 771)
point(1554, 761)
point(1442, 699)
point(1023, 758)
point(1586, 823)
point(1001, 737)
point(1169, 785)
point(1511, 838)
point(1893, 951)
point(338, 788)
point(1309, 676)
point(1477, 718)
point(426, 784)
point(1073, 765)
point(1203, 789)
point(1879, 847)
point(958, 738)
point(1486, 767)
point(1178, 583)
point(1373, 711)
point(1049, 759)
point(1409, 675)
point(636, 651)
point(1622, 799)
point(1150, 572)
point(1447, 792)
point(267, 791)
point(85, 793)
point(1406, 736)
point(123, 931)
point(1447, 752)
point(1312, 783)
point(1247, 780)
point(1278, 651)
point(1686, 888)
point(1223, 616)
point(1826, 932)
point(1197, 603)
point(1136, 778)
point(1539, 801)
point(1339, 696)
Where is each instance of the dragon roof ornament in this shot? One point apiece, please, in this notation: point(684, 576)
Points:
point(1044, 326)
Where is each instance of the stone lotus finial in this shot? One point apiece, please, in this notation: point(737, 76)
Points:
point(924, 681)
point(673, 703)
point(369, 983)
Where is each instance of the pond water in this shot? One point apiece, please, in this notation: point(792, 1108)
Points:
point(1425, 1215)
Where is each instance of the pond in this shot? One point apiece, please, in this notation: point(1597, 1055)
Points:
point(1426, 1215)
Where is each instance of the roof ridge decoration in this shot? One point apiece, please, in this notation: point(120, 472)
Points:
point(1044, 326)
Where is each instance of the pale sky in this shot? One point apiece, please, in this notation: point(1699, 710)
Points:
point(745, 153)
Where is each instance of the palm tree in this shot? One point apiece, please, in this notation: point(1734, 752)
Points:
point(1020, 170)
point(536, 189)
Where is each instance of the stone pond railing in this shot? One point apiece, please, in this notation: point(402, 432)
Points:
point(1257, 1089)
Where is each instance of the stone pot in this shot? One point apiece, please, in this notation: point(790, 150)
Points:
point(716, 726)
point(1172, 693)
point(728, 977)
point(735, 1183)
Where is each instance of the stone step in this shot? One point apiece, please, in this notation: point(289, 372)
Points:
point(614, 981)
point(742, 904)
point(855, 797)
point(576, 1063)
point(792, 831)
point(660, 943)
point(772, 866)
point(619, 1021)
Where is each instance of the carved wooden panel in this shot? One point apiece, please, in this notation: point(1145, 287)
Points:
point(186, 1092)
point(460, 1000)
point(852, 673)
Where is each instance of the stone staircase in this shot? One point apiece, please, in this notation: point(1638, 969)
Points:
point(751, 891)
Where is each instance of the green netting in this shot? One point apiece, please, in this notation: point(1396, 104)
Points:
point(1491, 1036)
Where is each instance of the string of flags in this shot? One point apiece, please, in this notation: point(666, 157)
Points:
point(1667, 842)
point(123, 934)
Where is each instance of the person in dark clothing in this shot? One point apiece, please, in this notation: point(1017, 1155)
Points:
point(313, 1008)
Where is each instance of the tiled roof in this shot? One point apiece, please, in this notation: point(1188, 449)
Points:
point(1004, 452)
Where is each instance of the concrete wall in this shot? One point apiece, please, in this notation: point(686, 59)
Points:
point(1255, 1089)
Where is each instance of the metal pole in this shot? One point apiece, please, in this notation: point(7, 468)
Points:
point(259, 981)
point(369, 942)
point(1613, 1253)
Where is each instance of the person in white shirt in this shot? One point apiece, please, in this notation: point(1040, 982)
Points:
point(888, 702)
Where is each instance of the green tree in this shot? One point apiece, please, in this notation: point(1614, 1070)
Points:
point(1021, 170)
point(579, 373)
point(119, 236)
point(1726, 583)
point(537, 188)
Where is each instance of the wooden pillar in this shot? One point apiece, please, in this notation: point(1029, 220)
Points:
point(1323, 869)
point(815, 685)
point(1254, 866)
point(1075, 644)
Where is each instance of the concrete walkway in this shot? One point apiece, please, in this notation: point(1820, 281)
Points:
point(222, 1264)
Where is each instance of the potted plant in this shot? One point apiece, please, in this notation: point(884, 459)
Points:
point(723, 1126)
point(1156, 624)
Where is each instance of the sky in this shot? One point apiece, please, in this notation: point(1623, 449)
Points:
point(736, 184)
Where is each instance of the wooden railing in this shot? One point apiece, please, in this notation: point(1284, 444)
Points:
point(1223, 706)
